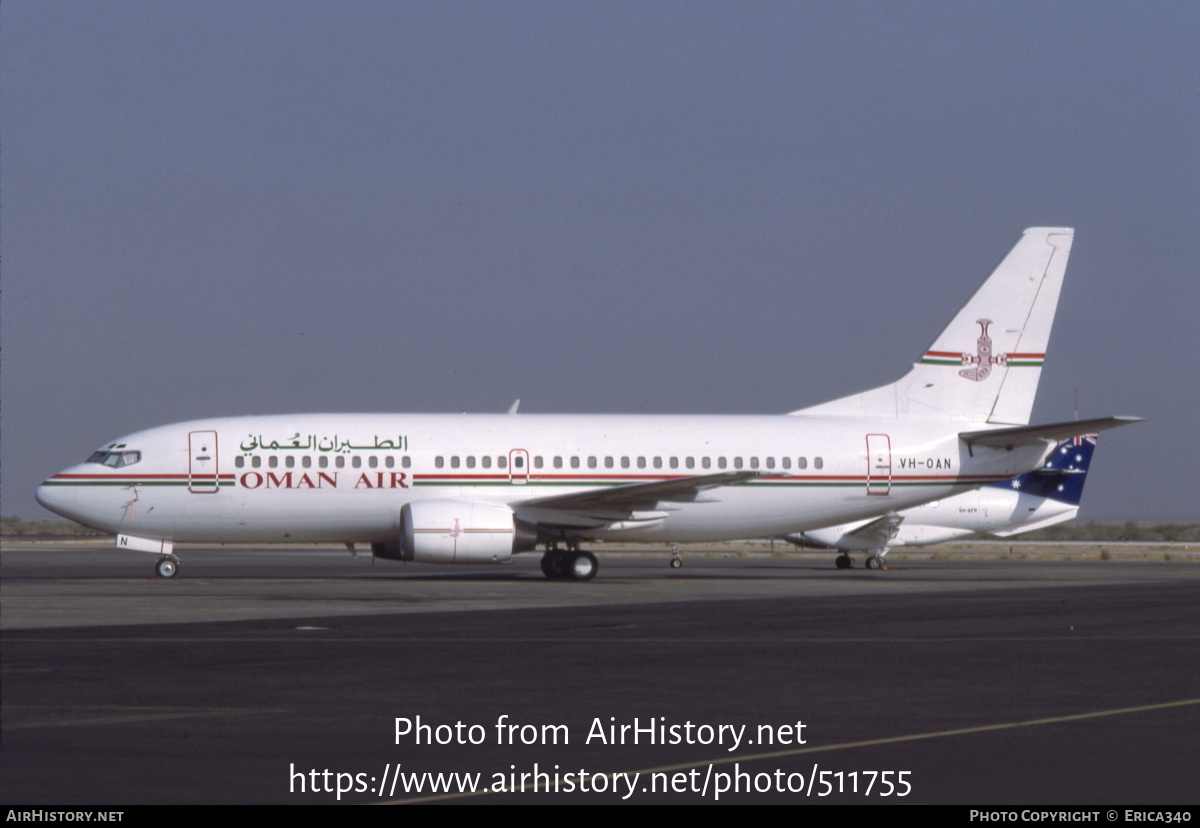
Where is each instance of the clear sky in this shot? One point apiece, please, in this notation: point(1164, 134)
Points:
point(221, 208)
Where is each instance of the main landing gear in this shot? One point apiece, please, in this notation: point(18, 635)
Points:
point(676, 557)
point(572, 564)
point(167, 566)
point(875, 561)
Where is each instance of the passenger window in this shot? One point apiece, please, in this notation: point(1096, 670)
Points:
point(608, 462)
point(537, 461)
point(373, 462)
point(356, 462)
point(486, 461)
point(518, 462)
point(754, 462)
point(557, 462)
point(737, 462)
point(802, 463)
point(591, 462)
point(290, 461)
point(673, 462)
point(239, 461)
point(624, 462)
point(770, 462)
point(641, 462)
point(439, 462)
point(406, 462)
point(471, 462)
point(787, 462)
point(658, 462)
point(818, 463)
point(574, 462)
point(339, 461)
point(306, 462)
point(706, 462)
point(454, 461)
point(256, 461)
point(323, 462)
point(389, 462)
point(272, 462)
point(502, 462)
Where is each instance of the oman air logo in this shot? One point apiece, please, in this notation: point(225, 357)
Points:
point(978, 366)
point(983, 359)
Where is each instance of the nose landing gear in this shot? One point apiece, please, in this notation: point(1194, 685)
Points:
point(167, 566)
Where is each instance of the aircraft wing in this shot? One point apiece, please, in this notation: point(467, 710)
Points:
point(1033, 434)
point(621, 502)
point(879, 532)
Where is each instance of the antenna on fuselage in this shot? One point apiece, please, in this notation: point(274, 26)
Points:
point(512, 409)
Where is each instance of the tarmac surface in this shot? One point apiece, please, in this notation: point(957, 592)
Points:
point(279, 675)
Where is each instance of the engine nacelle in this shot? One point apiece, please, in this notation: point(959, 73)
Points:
point(457, 531)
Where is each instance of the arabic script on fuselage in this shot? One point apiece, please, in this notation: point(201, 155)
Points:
point(311, 442)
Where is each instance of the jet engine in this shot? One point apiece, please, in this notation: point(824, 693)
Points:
point(457, 531)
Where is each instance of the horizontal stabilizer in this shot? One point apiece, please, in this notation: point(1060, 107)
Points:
point(1034, 434)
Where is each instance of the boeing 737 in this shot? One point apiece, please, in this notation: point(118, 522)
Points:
point(1041, 498)
point(479, 488)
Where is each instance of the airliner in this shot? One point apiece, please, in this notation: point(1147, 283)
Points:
point(479, 488)
point(1041, 498)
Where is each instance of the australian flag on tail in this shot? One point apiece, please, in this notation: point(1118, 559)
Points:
point(1063, 475)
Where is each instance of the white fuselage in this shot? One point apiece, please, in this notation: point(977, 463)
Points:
point(345, 477)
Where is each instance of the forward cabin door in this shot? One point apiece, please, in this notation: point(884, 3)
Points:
point(879, 464)
point(202, 462)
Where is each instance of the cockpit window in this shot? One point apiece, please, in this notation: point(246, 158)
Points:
point(115, 459)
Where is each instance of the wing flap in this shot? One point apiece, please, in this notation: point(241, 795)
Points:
point(620, 502)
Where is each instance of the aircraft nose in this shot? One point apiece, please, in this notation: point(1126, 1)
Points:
point(58, 499)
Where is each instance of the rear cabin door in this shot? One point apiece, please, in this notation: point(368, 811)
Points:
point(879, 464)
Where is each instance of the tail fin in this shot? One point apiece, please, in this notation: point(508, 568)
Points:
point(985, 366)
point(1064, 474)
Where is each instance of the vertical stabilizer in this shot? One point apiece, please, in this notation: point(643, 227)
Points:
point(985, 366)
point(1064, 474)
